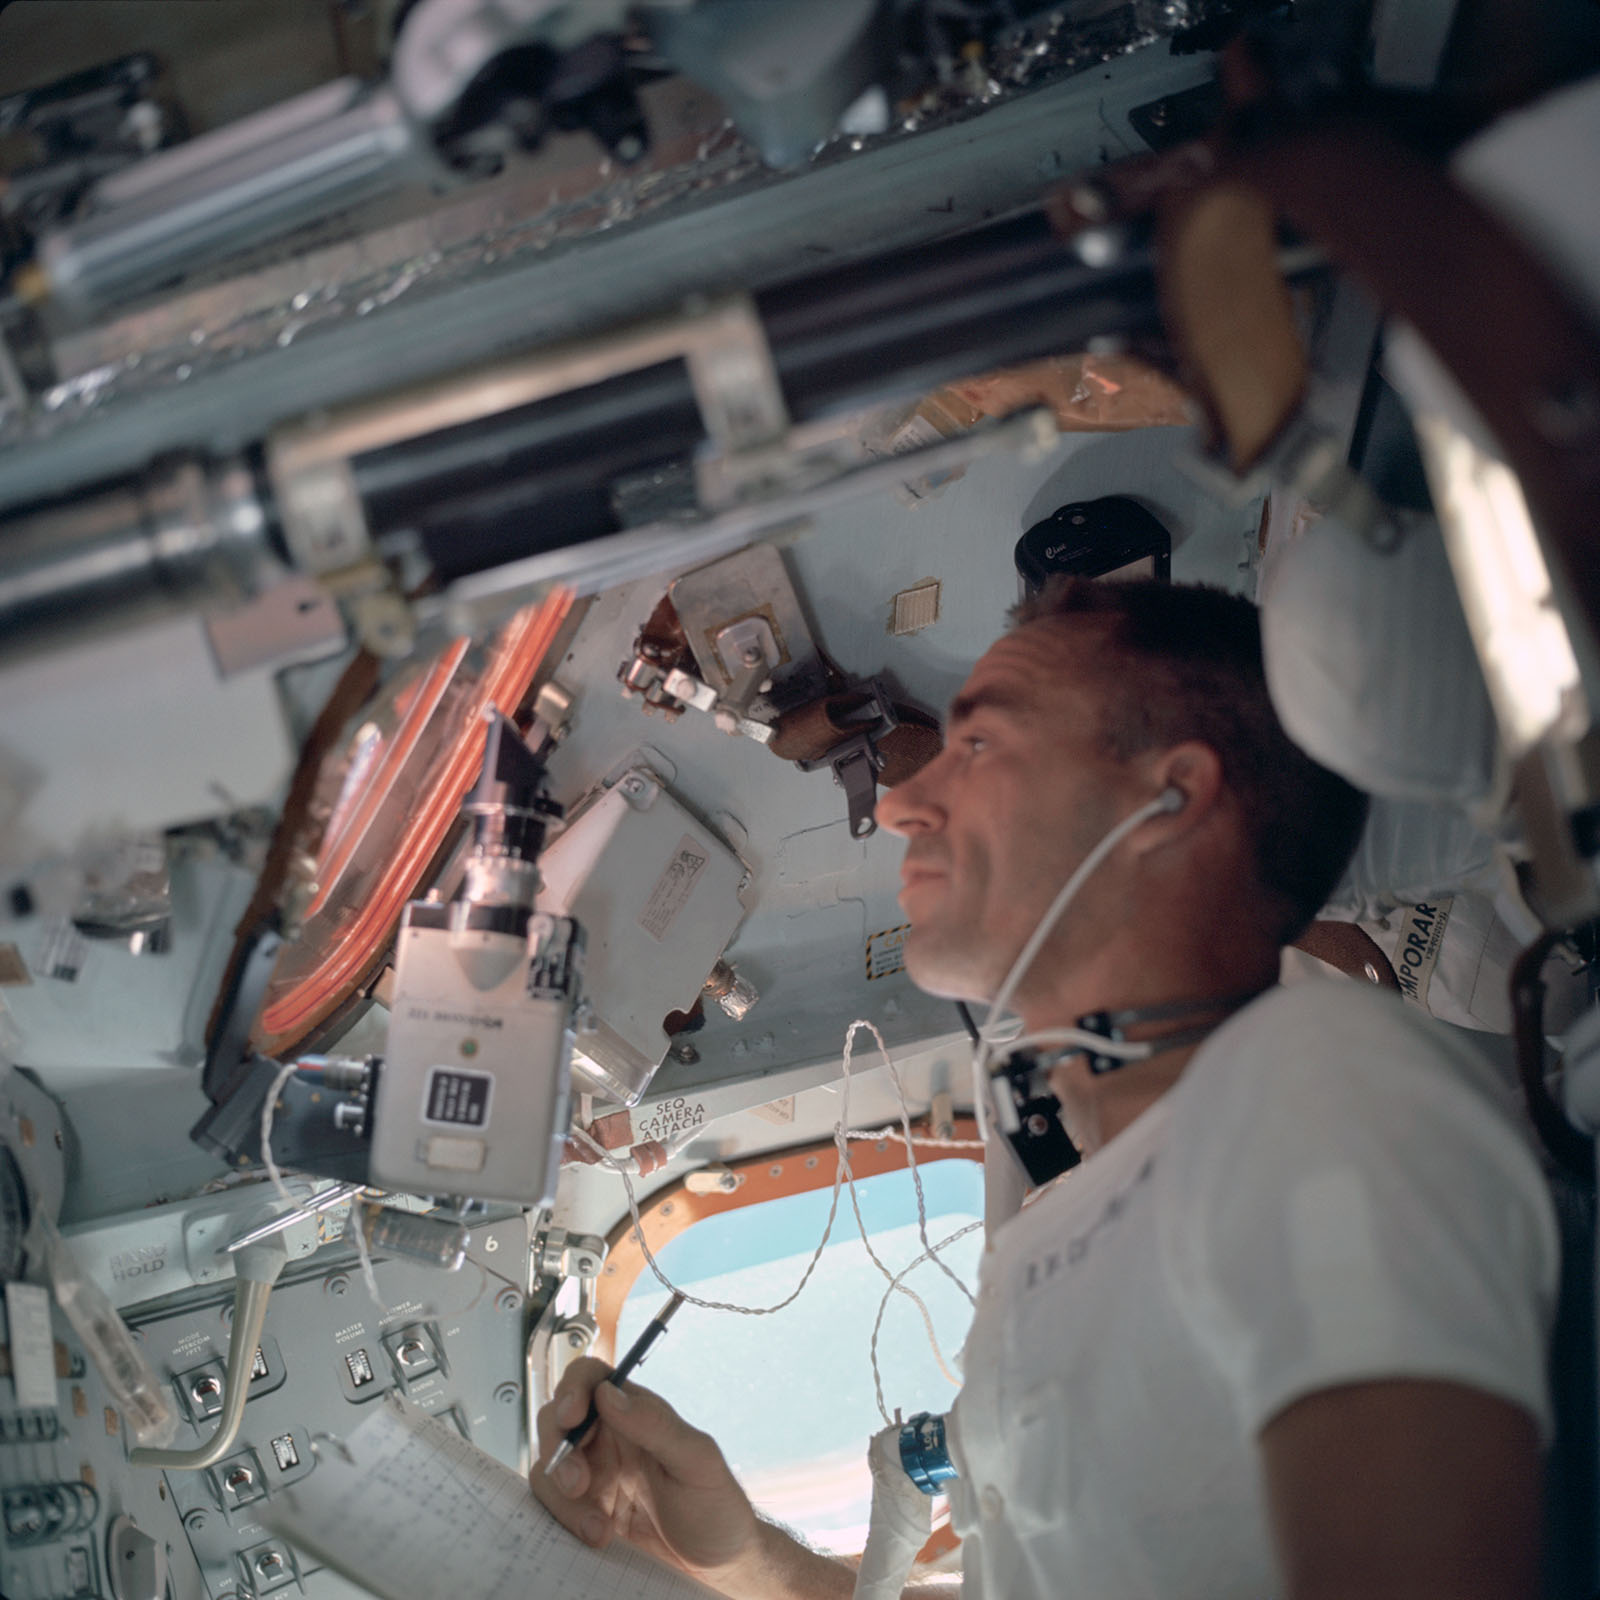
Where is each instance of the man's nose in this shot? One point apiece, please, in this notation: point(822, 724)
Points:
point(909, 807)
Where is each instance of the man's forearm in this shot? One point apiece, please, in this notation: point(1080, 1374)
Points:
point(782, 1568)
point(785, 1569)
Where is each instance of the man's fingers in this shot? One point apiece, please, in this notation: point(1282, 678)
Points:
point(573, 1476)
point(569, 1405)
point(576, 1515)
point(648, 1422)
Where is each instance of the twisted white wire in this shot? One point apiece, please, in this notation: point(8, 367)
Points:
point(883, 1305)
point(843, 1174)
point(925, 1140)
point(269, 1109)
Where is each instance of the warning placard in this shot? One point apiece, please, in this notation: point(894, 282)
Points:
point(886, 952)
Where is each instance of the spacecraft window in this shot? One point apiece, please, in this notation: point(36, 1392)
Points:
point(790, 1396)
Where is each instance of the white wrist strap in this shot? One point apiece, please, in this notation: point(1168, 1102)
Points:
point(902, 1519)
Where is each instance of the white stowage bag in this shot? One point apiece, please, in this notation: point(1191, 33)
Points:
point(902, 1519)
point(1368, 660)
point(1372, 672)
point(1413, 851)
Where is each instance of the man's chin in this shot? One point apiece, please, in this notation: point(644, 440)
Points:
point(940, 971)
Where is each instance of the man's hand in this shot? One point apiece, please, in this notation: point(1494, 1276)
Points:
point(645, 1476)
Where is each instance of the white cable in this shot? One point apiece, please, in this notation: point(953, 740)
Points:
point(911, 1161)
point(926, 1140)
point(910, 1294)
point(673, 1145)
point(1035, 943)
point(883, 1306)
point(606, 1159)
point(269, 1109)
point(840, 1170)
point(364, 1255)
point(922, 1210)
point(842, 1174)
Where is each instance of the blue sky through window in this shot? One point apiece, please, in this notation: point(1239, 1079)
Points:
point(789, 1397)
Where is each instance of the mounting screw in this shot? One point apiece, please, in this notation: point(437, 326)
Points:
point(577, 1339)
point(508, 1300)
point(196, 1520)
point(336, 1283)
point(507, 1394)
point(684, 1053)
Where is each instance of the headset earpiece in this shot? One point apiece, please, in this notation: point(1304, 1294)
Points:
point(1172, 799)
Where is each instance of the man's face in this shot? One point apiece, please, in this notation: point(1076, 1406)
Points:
point(1021, 792)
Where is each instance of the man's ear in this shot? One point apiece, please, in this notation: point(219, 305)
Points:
point(1192, 770)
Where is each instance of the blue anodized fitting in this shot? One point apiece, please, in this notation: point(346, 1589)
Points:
point(924, 1452)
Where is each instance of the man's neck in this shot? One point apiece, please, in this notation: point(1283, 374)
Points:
point(1096, 1108)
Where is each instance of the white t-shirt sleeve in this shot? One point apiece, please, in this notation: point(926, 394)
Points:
point(1347, 1203)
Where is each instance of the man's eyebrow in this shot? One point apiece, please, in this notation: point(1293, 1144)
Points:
point(990, 698)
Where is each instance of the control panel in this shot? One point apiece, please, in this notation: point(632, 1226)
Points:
point(77, 1519)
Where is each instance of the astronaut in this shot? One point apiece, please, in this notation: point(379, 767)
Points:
point(1284, 1330)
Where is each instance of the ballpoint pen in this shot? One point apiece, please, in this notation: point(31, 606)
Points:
point(653, 1330)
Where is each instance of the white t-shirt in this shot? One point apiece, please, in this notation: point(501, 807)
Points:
point(1329, 1194)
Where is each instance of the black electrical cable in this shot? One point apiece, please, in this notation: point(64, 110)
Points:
point(1572, 1150)
point(967, 1021)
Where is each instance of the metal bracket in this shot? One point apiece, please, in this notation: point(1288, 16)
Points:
point(557, 1338)
point(559, 1254)
point(734, 377)
point(675, 690)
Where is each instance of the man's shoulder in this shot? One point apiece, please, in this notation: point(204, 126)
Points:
point(1329, 1015)
point(1322, 1001)
point(1334, 1039)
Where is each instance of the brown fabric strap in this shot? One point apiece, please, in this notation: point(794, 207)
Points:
point(810, 731)
point(1351, 950)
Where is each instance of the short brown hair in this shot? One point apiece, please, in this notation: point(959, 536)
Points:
point(1196, 654)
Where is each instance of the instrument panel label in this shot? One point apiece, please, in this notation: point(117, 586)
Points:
point(457, 1099)
point(673, 887)
point(33, 1359)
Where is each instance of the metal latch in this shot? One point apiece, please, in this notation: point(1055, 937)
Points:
point(856, 760)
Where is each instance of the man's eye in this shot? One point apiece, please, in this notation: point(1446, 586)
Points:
point(974, 743)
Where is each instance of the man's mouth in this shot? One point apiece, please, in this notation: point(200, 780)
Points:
point(912, 878)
